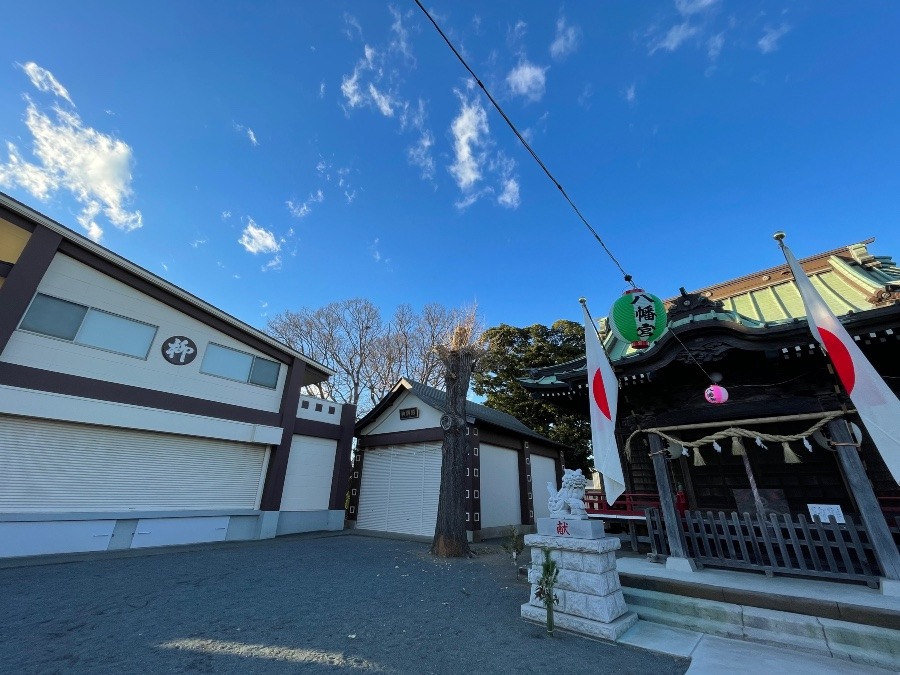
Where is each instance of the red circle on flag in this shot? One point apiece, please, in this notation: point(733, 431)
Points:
point(840, 357)
point(599, 392)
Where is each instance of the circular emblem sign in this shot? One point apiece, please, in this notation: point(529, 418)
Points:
point(179, 350)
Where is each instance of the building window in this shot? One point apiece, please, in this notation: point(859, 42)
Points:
point(304, 404)
point(88, 326)
point(331, 410)
point(318, 407)
point(239, 366)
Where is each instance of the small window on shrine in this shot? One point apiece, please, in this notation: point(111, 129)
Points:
point(409, 413)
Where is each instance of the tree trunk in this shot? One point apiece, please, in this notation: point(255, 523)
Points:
point(450, 530)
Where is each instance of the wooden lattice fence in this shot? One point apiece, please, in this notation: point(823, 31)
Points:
point(785, 544)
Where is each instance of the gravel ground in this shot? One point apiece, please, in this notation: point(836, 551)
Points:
point(294, 604)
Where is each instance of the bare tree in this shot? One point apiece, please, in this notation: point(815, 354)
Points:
point(368, 353)
point(459, 357)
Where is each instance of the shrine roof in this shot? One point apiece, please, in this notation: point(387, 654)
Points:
point(850, 279)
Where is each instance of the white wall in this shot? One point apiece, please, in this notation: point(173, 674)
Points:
point(389, 421)
point(500, 503)
point(543, 470)
point(307, 482)
point(71, 280)
point(330, 411)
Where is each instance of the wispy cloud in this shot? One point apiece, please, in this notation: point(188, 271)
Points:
point(95, 168)
point(674, 38)
point(43, 80)
point(272, 265)
point(470, 130)
point(251, 136)
point(375, 251)
point(372, 94)
point(257, 239)
point(400, 41)
point(584, 98)
point(690, 7)
point(197, 243)
point(226, 215)
point(351, 26)
point(769, 41)
point(714, 46)
point(509, 194)
point(527, 80)
point(566, 40)
point(631, 94)
point(321, 90)
point(420, 155)
point(303, 209)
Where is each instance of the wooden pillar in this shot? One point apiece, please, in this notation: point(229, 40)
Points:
point(667, 498)
point(866, 504)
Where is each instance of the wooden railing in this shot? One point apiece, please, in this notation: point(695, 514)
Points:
point(785, 544)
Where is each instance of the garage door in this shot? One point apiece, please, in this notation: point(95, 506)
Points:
point(500, 504)
point(543, 471)
point(399, 489)
point(59, 466)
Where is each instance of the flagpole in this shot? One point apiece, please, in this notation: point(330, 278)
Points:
point(583, 302)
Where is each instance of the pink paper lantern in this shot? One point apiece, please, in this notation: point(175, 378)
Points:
point(715, 394)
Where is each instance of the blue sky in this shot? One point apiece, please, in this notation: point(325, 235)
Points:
point(268, 156)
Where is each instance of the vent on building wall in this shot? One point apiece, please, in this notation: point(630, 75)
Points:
point(409, 413)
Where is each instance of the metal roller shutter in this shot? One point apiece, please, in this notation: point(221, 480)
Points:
point(543, 471)
point(399, 489)
point(60, 466)
point(500, 503)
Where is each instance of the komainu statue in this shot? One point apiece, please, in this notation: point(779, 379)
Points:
point(569, 501)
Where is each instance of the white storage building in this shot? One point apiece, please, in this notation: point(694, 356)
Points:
point(397, 467)
point(133, 414)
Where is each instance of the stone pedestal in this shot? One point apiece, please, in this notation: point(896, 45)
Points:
point(590, 595)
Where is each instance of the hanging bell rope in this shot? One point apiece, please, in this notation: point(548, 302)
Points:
point(735, 432)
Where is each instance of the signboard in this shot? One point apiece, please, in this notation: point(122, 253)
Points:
point(826, 510)
point(409, 413)
point(179, 350)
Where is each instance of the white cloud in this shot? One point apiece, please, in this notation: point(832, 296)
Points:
point(383, 102)
point(164, 266)
point(197, 243)
point(256, 239)
point(321, 90)
point(714, 46)
point(420, 155)
point(469, 130)
point(400, 42)
point(350, 89)
point(584, 98)
point(528, 80)
point(351, 25)
point(631, 93)
point(769, 41)
point(272, 265)
point(304, 209)
point(689, 7)
point(43, 80)
point(566, 40)
point(226, 215)
point(252, 137)
point(94, 167)
point(675, 37)
point(509, 196)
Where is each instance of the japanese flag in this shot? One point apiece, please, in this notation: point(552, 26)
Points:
point(604, 395)
point(876, 404)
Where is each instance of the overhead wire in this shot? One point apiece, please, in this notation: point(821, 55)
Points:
point(628, 278)
point(527, 145)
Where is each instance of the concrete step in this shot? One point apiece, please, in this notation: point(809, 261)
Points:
point(872, 645)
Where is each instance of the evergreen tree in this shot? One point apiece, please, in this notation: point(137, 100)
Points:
point(512, 353)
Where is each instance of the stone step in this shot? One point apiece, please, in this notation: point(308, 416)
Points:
point(872, 645)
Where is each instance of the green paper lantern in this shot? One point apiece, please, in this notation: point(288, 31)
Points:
point(638, 317)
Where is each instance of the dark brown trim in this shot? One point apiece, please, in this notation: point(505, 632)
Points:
point(278, 462)
point(397, 437)
point(5, 269)
point(543, 452)
point(500, 440)
point(318, 429)
point(340, 476)
point(16, 219)
point(355, 483)
point(525, 504)
point(22, 282)
point(26, 377)
point(474, 482)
